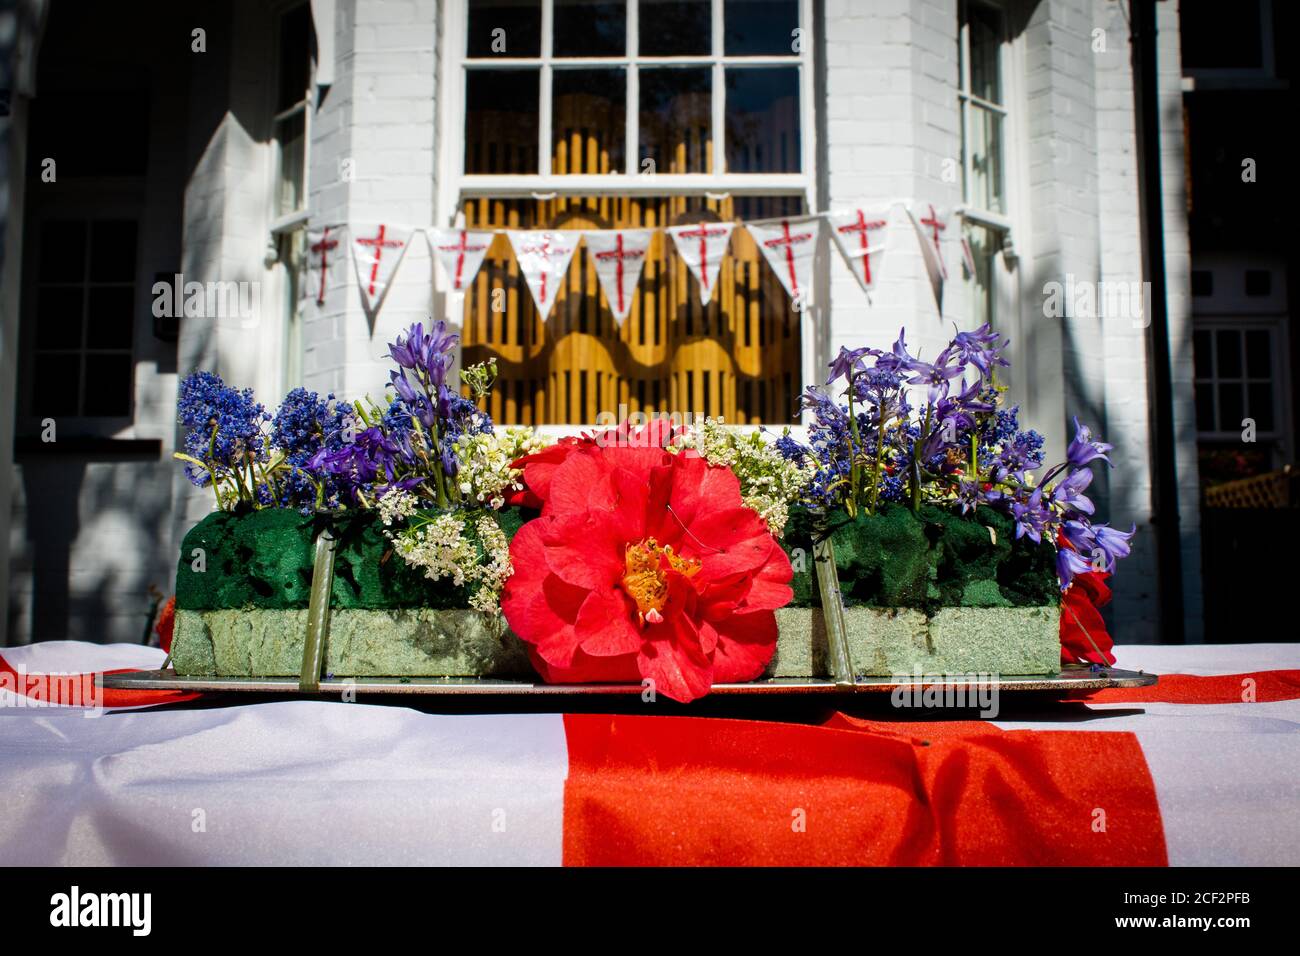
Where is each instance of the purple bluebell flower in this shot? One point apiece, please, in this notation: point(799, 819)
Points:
point(1069, 493)
point(1030, 516)
point(427, 353)
point(935, 375)
point(1115, 544)
point(846, 364)
point(1069, 563)
point(980, 348)
point(1083, 449)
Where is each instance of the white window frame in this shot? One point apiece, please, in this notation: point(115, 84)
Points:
point(966, 99)
point(283, 227)
point(455, 186)
point(630, 182)
point(291, 220)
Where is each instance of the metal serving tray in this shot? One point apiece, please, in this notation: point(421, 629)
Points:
point(1071, 678)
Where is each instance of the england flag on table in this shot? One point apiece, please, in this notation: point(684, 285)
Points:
point(930, 226)
point(543, 258)
point(326, 253)
point(619, 255)
point(789, 247)
point(702, 246)
point(461, 253)
point(377, 250)
point(862, 236)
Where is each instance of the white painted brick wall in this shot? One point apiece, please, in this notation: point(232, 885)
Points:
point(380, 116)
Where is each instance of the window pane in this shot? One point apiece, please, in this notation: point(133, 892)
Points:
point(1227, 344)
point(112, 251)
point(1201, 354)
point(293, 144)
point(295, 56)
point(675, 27)
point(505, 28)
point(984, 244)
point(758, 27)
point(1231, 410)
point(985, 44)
point(588, 121)
point(108, 386)
point(57, 384)
point(501, 121)
point(58, 317)
point(676, 119)
point(1260, 405)
point(1258, 357)
point(1205, 408)
point(739, 358)
point(984, 188)
point(63, 252)
point(763, 120)
point(109, 317)
point(590, 28)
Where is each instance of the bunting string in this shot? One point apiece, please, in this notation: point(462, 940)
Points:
point(788, 244)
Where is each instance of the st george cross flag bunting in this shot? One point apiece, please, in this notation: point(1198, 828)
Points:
point(327, 252)
point(377, 250)
point(543, 259)
point(461, 253)
point(702, 247)
point(789, 247)
point(862, 236)
point(619, 256)
point(930, 224)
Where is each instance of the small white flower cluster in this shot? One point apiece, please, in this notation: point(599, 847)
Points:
point(396, 506)
point(440, 547)
point(484, 472)
point(768, 481)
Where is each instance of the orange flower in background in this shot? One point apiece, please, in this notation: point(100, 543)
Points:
point(644, 565)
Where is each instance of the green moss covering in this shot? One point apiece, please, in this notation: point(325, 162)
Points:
point(926, 560)
point(263, 559)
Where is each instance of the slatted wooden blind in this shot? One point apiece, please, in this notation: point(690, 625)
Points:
point(739, 358)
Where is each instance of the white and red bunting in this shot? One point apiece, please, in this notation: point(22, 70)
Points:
point(619, 255)
point(377, 251)
point(326, 259)
point(702, 246)
point(862, 236)
point(543, 258)
point(930, 224)
point(789, 246)
point(461, 252)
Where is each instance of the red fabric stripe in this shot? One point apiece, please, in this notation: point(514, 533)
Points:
point(1219, 689)
point(696, 791)
point(76, 688)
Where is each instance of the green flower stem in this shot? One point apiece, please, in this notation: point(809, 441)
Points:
point(916, 462)
point(880, 451)
point(854, 467)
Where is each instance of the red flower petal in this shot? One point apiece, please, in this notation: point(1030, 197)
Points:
point(675, 661)
point(745, 646)
point(604, 625)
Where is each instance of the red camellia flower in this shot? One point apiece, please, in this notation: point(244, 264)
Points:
point(644, 564)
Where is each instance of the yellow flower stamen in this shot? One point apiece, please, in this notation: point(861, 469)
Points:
point(645, 580)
